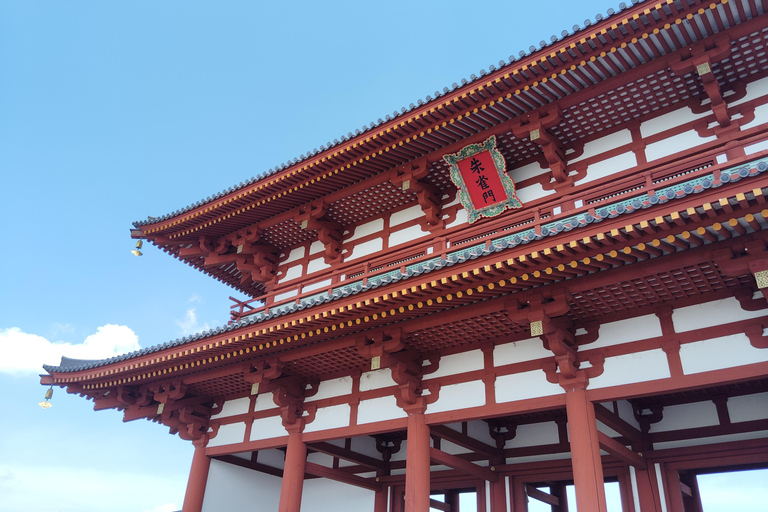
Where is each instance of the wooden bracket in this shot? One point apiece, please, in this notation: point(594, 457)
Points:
point(313, 217)
point(536, 127)
point(410, 177)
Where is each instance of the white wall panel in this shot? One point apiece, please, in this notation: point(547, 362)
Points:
point(631, 368)
point(458, 363)
point(233, 408)
point(379, 409)
point(625, 331)
point(670, 120)
point(231, 487)
point(369, 228)
point(406, 235)
point(292, 273)
point(287, 295)
point(711, 440)
point(323, 495)
point(527, 171)
point(295, 254)
point(320, 285)
point(229, 434)
point(675, 144)
point(678, 417)
point(329, 417)
point(410, 213)
point(604, 144)
point(459, 396)
point(610, 166)
point(756, 89)
point(316, 265)
point(534, 435)
point(521, 386)
point(267, 428)
point(532, 193)
point(461, 218)
point(761, 117)
point(519, 351)
point(331, 388)
point(710, 314)
point(718, 353)
point(316, 247)
point(376, 379)
point(365, 249)
point(748, 407)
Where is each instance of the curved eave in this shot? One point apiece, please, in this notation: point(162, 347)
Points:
point(617, 44)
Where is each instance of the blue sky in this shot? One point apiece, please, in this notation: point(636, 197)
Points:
point(112, 111)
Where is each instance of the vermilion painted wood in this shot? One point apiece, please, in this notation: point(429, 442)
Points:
point(293, 474)
point(417, 479)
point(198, 477)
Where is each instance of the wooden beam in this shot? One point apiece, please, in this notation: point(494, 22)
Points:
point(248, 464)
point(348, 455)
point(613, 421)
point(342, 476)
point(536, 494)
point(620, 451)
point(462, 465)
point(439, 505)
point(463, 440)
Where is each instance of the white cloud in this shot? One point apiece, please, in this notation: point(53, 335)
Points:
point(190, 325)
point(22, 352)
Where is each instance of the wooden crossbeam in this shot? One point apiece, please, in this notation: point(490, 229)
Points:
point(342, 476)
point(348, 455)
point(462, 465)
point(620, 451)
point(248, 464)
point(613, 421)
point(439, 505)
point(463, 440)
point(536, 494)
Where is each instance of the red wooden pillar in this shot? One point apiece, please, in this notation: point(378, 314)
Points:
point(585, 448)
point(647, 490)
point(380, 500)
point(198, 477)
point(417, 484)
point(498, 495)
point(452, 499)
point(293, 473)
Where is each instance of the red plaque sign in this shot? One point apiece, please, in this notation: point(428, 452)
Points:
point(479, 172)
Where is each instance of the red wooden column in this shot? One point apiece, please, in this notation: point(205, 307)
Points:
point(293, 473)
point(380, 501)
point(417, 461)
point(585, 448)
point(198, 477)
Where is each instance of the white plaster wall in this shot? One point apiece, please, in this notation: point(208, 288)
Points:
point(718, 353)
point(761, 116)
point(461, 218)
point(286, 295)
point(379, 409)
point(748, 407)
point(233, 408)
point(376, 379)
point(459, 396)
point(521, 386)
point(534, 435)
point(626, 412)
point(478, 429)
point(756, 89)
point(317, 265)
point(292, 273)
point(674, 144)
point(366, 229)
point(629, 368)
point(711, 440)
point(272, 457)
point(320, 285)
point(710, 314)
point(625, 331)
point(406, 235)
point(453, 449)
point(670, 120)
point(231, 487)
point(365, 249)
point(267, 428)
point(677, 417)
point(756, 148)
point(365, 445)
point(295, 254)
point(532, 192)
point(610, 166)
point(604, 144)
point(264, 401)
point(458, 363)
point(519, 351)
point(316, 247)
point(410, 213)
point(320, 458)
point(229, 434)
point(527, 171)
point(327, 418)
point(331, 388)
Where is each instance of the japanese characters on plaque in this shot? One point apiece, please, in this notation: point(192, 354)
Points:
point(480, 174)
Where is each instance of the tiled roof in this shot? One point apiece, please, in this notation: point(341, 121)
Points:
point(522, 55)
point(509, 241)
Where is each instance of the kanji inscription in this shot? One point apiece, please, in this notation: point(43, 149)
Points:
point(479, 172)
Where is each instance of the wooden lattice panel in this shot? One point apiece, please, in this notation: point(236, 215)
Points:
point(227, 386)
point(464, 333)
point(748, 57)
point(287, 234)
point(341, 361)
point(369, 203)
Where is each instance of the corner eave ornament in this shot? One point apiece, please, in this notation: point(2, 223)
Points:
point(480, 174)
